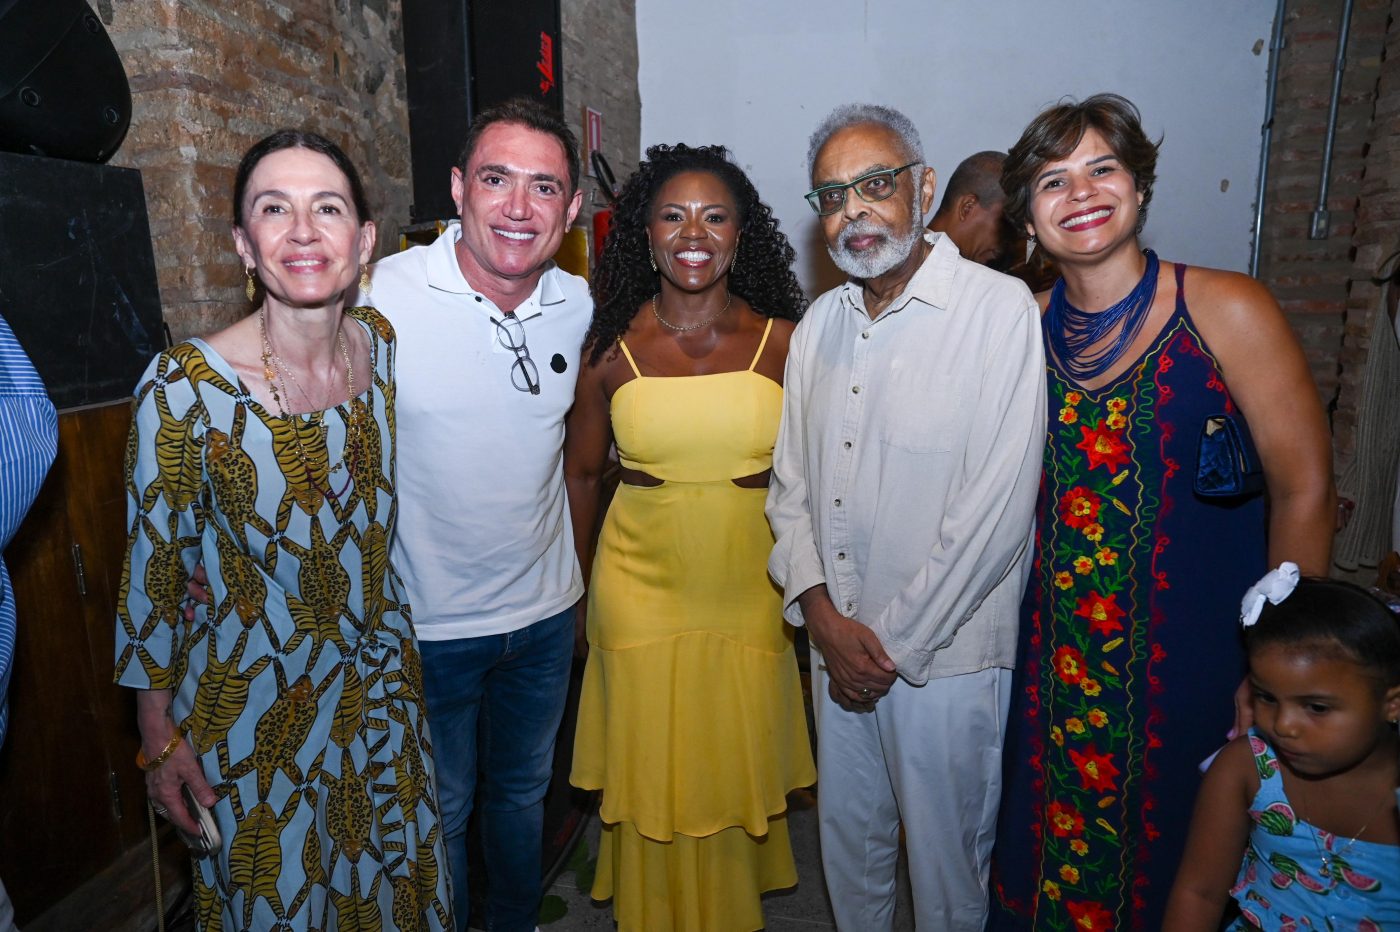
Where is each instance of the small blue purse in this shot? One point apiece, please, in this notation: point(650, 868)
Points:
point(1227, 465)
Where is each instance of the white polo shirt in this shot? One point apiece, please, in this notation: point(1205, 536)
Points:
point(483, 541)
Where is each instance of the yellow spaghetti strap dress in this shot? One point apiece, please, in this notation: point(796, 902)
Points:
point(691, 718)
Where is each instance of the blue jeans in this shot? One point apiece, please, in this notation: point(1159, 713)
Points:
point(494, 706)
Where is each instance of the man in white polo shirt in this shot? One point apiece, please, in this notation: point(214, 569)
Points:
point(489, 332)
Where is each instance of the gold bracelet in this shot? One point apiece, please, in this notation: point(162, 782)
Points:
point(161, 758)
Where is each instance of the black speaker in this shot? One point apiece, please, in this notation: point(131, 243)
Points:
point(463, 56)
point(63, 91)
point(77, 276)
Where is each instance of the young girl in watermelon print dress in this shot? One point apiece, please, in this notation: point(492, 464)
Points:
point(1297, 821)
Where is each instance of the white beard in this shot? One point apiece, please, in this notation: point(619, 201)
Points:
point(878, 259)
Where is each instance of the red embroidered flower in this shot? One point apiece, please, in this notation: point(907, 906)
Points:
point(1079, 506)
point(1091, 917)
point(1096, 771)
point(1104, 447)
point(1069, 664)
point(1065, 821)
point(1102, 611)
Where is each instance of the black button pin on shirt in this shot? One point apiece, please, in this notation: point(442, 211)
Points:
point(557, 363)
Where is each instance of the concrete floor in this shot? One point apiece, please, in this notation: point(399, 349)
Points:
point(805, 908)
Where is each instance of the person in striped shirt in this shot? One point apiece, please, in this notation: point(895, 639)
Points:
point(28, 443)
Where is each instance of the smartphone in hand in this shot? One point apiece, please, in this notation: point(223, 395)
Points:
point(208, 840)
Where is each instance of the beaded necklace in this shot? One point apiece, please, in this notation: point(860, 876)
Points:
point(275, 371)
point(1071, 331)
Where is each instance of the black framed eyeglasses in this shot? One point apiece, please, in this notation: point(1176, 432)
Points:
point(872, 187)
point(523, 374)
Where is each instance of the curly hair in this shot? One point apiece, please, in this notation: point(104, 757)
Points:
point(760, 274)
point(1056, 132)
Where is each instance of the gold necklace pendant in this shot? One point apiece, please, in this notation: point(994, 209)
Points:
point(1325, 855)
point(275, 372)
point(656, 312)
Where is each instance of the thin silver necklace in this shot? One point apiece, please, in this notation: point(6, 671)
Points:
point(728, 299)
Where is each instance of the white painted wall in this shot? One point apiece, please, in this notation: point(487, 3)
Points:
point(758, 75)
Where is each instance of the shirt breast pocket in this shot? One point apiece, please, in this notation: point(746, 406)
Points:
point(922, 414)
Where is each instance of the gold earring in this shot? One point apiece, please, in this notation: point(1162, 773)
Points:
point(365, 284)
point(250, 289)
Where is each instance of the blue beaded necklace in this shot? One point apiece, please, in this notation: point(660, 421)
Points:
point(1070, 331)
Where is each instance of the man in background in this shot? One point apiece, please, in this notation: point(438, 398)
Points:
point(970, 212)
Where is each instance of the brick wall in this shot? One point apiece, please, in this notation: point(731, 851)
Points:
point(600, 71)
point(210, 77)
point(1325, 285)
point(1310, 277)
point(1377, 236)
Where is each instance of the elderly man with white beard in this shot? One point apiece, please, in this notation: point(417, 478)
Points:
point(904, 483)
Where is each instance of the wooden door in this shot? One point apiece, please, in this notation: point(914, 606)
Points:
point(71, 798)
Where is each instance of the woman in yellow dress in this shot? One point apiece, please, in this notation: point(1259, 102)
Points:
point(691, 720)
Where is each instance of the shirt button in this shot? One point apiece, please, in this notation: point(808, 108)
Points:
point(850, 607)
point(847, 444)
point(865, 335)
point(855, 389)
point(841, 556)
point(478, 297)
point(838, 503)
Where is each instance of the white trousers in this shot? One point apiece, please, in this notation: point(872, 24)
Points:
point(928, 757)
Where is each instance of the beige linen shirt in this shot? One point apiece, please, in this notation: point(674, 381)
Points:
point(908, 461)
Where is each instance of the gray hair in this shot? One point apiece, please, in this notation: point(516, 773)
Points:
point(848, 115)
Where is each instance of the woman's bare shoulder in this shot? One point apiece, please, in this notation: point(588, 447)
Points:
point(782, 330)
point(1218, 291)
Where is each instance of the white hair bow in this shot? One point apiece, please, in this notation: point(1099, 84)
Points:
point(1274, 587)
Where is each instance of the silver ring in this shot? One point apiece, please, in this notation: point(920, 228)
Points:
point(160, 810)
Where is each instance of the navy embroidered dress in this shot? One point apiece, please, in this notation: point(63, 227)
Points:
point(1130, 652)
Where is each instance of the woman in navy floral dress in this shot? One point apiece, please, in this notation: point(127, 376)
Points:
point(1129, 650)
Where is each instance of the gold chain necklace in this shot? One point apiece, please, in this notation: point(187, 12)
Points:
point(1326, 858)
point(728, 299)
point(275, 372)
